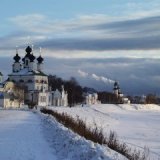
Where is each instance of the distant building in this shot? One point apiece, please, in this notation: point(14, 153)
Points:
point(91, 98)
point(119, 94)
point(10, 95)
point(57, 98)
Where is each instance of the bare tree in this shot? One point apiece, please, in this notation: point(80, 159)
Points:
point(19, 93)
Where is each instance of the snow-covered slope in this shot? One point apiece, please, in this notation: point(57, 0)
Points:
point(137, 125)
point(21, 137)
point(26, 135)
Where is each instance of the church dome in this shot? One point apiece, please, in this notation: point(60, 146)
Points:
point(29, 55)
point(116, 85)
point(32, 58)
point(17, 58)
point(40, 59)
point(29, 49)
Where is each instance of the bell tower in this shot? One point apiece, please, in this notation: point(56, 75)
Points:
point(40, 62)
point(16, 64)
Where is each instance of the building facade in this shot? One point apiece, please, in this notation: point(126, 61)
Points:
point(11, 96)
point(119, 94)
point(91, 98)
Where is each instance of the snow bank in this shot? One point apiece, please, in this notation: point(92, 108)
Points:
point(144, 107)
point(137, 125)
point(70, 146)
point(26, 135)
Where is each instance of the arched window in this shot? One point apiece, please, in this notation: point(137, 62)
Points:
point(45, 82)
point(30, 81)
point(26, 62)
point(21, 81)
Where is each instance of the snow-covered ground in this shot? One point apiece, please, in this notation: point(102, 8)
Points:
point(26, 135)
point(137, 125)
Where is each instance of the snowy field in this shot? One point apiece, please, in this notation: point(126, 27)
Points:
point(26, 135)
point(137, 125)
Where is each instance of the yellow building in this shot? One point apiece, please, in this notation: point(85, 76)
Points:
point(10, 95)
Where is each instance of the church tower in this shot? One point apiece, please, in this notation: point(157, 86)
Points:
point(40, 62)
point(28, 60)
point(16, 65)
point(116, 89)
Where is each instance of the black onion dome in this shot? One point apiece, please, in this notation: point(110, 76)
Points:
point(17, 58)
point(115, 83)
point(32, 58)
point(40, 59)
point(29, 49)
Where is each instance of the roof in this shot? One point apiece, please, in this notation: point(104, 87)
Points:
point(1, 74)
point(57, 94)
point(17, 58)
point(40, 59)
point(26, 72)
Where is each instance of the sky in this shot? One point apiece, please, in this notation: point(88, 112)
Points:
point(96, 41)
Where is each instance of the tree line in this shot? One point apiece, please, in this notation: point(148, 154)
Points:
point(74, 90)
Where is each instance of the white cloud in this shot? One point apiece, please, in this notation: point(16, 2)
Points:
point(69, 38)
point(82, 73)
point(97, 78)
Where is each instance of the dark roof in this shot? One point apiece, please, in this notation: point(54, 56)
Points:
point(29, 55)
point(17, 58)
point(31, 73)
point(116, 86)
point(1, 74)
point(115, 83)
point(28, 49)
point(40, 59)
point(32, 58)
point(40, 73)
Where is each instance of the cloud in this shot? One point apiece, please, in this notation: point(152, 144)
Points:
point(87, 33)
point(97, 78)
point(142, 43)
point(82, 73)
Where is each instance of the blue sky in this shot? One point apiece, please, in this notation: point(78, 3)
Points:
point(89, 30)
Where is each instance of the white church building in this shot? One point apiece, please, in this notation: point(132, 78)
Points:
point(119, 94)
point(28, 72)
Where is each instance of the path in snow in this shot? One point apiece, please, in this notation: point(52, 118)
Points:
point(25, 135)
point(21, 137)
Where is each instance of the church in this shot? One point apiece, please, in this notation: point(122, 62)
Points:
point(27, 72)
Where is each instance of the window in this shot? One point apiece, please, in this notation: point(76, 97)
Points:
point(30, 81)
point(43, 99)
point(26, 62)
point(21, 80)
